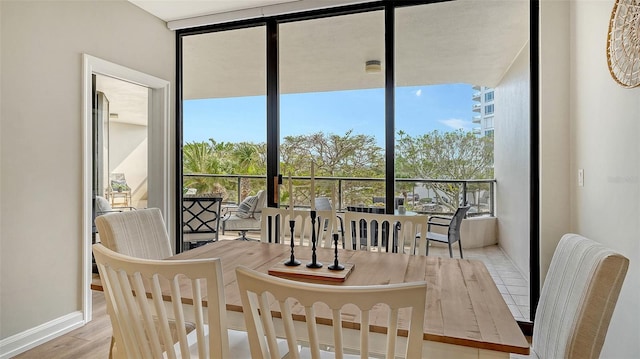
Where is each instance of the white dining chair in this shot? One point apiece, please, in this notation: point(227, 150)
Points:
point(161, 326)
point(276, 227)
point(367, 230)
point(297, 301)
point(577, 299)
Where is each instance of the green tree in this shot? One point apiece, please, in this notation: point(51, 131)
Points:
point(334, 155)
point(248, 159)
point(198, 157)
point(444, 155)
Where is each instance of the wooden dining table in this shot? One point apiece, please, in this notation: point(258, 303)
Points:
point(466, 316)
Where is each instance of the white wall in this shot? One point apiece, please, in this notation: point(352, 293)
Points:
point(41, 141)
point(555, 139)
point(511, 161)
point(589, 122)
point(605, 122)
point(128, 154)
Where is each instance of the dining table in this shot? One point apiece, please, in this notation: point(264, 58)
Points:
point(466, 316)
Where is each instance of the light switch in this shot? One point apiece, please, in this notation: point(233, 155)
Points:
point(580, 177)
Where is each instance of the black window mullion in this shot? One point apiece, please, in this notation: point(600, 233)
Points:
point(389, 97)
point(178, 139)
point(273, 111)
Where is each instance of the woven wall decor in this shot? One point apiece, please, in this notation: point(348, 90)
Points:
point(623, 43)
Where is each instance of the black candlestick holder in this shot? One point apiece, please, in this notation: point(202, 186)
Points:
point(335, 265)
point(292, 262)
point(314, 263)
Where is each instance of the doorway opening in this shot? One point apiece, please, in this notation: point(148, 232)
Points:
point(151, 142)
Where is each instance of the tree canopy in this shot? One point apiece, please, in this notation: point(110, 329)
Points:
point(435, 155)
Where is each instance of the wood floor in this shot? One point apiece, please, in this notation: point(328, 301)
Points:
point(89, 342)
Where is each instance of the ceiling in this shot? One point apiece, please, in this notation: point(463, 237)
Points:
point(171, 10)
point(127, 102)
point(463, 41)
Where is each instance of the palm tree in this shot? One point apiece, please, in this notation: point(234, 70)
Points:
point(247, 161)
point(201, 158)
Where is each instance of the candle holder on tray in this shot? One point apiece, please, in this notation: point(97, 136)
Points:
point(314, 263)
point(335, 265)
point(292, 262)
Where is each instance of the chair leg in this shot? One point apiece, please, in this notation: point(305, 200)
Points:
point(450, 251)
point(111, 347)
point(460, 247)
point(427, 246)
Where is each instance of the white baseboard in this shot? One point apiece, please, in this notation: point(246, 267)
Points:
point(33, 337)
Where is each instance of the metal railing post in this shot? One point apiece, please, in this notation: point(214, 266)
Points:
point(339, 195)
point(239, 180)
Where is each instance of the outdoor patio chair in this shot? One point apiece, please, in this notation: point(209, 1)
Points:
point(119, 189)
point(200, 220)
point(246, 217)
point(452, 234)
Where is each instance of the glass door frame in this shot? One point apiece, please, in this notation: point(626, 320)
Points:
point(273, 127)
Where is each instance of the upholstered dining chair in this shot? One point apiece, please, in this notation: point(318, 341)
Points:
point(140, 233)
point(577, 299)
point(262, 293)
point(161, 326)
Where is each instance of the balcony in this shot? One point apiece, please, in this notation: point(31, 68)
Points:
point(425, 196)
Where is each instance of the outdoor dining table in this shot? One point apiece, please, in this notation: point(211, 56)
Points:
point(466, 316)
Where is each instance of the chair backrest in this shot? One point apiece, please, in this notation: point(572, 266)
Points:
point(275, 227)
point(118, 181)
point(577, 299)
point(200, 217)
point(384, 232)
point(456, 223)
point(260, 292)
point(146, 328)
point(261, 203)
point(102, 205)
point(140, 233)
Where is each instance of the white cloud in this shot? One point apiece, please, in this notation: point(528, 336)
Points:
point(457, 124)
point(419, 92)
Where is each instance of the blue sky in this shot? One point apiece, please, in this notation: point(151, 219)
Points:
point(419, 110)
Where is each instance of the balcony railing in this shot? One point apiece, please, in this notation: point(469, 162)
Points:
point(429, 196)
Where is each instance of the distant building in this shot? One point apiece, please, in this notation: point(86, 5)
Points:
point(483, 105)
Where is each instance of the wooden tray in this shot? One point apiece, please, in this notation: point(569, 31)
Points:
point(303, 272)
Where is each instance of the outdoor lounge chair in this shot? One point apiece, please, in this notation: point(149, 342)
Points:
point(246, 217)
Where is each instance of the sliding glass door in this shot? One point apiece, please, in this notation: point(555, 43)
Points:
point(224, 114)
point(424, 105)
point(332, 108)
